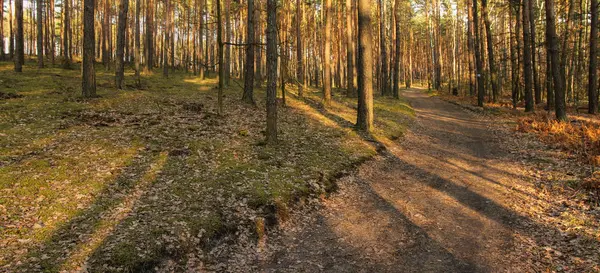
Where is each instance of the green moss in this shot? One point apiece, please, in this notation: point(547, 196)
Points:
point(154, 171)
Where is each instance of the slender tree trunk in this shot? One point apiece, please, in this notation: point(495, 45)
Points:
point(201, 47)
point(2, 53)
point(534, 70)
point(122, 24)
point(248, 95)
point(272, 71)
point(299, 49)
point(514, 57)
point(552, 44)
point(364, 121)
point(167, 39)
point(106, 25)
point(527, 72)
point(66, 10)
point(40, 34)
point(89, 74)
point(149, 46)
point(227, 64)
point(220, 53)
point(593, 72)
point(138, 49)
point(11, 45)
point(397, 59)
point(20, 39)
point(478, 59)
point(490, 48)
point(327, 54)
point(383, 51)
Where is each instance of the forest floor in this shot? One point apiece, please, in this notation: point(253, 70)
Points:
point(460, 192)
point(152, 178)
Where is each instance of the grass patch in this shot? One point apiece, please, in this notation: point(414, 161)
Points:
point(124, 181)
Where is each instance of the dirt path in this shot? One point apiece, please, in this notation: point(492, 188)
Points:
point(437, 202)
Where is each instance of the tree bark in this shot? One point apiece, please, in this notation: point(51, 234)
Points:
point(40, 34)
point(138, 49)
point(478, 60)
point(2, 53)
point(122, 24)
point(383, 51)
point(299, 49)
point(397, 59)
point(552, 44)
point(534, 71)
point(593, 72)
point(89, 74)
point(272, 71)
point(66, 10)
point(20, 39)
point(364, 121)
point(167, 39)
point(527, 72)
point(220, 54)
point(490, 48)
point(149, 46)
point(327, 54)
point(248, 95)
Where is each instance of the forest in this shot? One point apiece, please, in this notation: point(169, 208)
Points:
point(299, 136)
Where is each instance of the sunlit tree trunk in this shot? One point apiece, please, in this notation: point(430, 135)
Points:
point(490, 47)
point(327, 54)
point(272, 71)
point(89, 74)
point(593, 72)
point(364, 121)
point(20, 39)
point(478, 60)
point(40, 34)
point(553, 51)
point(527, 72)
point(299, 49)
point(122, 24)
point(248, 95)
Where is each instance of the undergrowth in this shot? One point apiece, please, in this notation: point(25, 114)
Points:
point(127, 180)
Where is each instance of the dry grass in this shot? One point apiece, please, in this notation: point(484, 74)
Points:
point(578, 136)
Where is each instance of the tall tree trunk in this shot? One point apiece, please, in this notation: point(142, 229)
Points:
point(227, 64)
point(106, 25)
point(552, 44)
point(149, 46)
point(11, 45)
point(248, 95)
point(299, 49)
point(534, 70)
point(327, 54)
point(2, 53)
point(89, 74)
point(220, 53)
point(20, 39)
point(514, 56)
point(527, 73)
point(167, 39)
point(272, 71)
point(364, 121)
point(201, 47)
point(397, 59)
point(383, 51)
point(52, 32)
point(478, 59)
point(40, 34)
point(122, 24)
point(593, 72)
point(66, 10)
point(258, 79)
point(138, 49)
point(490, 48)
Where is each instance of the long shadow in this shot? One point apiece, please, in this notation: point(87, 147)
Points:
point(74, 234)
point(481, 204)
point(420, 253)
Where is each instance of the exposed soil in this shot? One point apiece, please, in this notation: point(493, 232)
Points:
point(448, 197)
